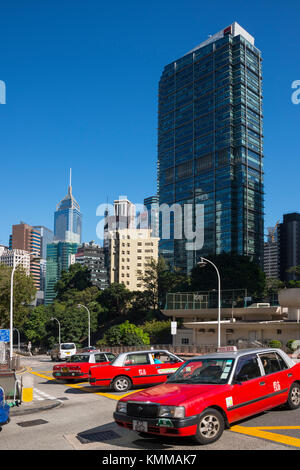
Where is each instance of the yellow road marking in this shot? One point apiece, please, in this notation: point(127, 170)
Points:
point(86, 388)
point(263, 432)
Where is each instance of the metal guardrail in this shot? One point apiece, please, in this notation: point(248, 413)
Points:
point(178, 350)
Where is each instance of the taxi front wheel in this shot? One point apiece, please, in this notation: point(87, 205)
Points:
point(121, 384)
point(210, 427)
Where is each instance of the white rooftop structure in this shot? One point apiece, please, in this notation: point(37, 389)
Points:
point(235, 29)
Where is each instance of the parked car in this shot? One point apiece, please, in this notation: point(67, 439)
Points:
point(62, 351)
point(78, 366)
point(135, 368)
point(88, 349)
point(210, 392)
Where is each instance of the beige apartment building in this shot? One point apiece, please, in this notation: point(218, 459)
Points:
point(130, 250)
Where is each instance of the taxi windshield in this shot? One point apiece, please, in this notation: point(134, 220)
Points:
point(203, 371)
point(79, 358)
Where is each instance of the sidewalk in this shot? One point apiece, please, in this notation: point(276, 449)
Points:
point(34, 407)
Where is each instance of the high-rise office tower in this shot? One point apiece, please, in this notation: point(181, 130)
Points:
point(210, 146)
point(271, 254)
point(27, 238)
point(46, 238)
point(68, 219)
point(289, 246)
point(152, 206)
point(60, 256)
point(92, 256)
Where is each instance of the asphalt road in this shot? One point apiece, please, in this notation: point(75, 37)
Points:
point(82, 420)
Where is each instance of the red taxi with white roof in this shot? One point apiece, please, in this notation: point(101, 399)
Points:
point(78, 366)
point(208, 393)
point(135, 369)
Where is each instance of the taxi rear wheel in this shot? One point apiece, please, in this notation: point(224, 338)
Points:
point(294, 397)
point(210, 426)
point(121, 384)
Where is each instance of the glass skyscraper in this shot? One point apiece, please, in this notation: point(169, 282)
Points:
point(68, 219)
point(210, 146)
point(60, 255)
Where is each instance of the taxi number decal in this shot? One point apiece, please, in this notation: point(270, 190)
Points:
point(229, 402)
point(166, 371)
point(142, 371)
point(276, 386)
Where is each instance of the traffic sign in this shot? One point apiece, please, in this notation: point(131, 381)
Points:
point(173, 327)
point(4, 336)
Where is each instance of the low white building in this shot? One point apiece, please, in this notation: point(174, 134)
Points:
point(252, 325)
point(12, 257)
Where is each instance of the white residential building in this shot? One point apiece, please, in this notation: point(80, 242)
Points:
point(12, 257)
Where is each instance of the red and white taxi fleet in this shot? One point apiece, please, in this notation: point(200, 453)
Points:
point(134, 369)
point(209, 392)
point(78, 366)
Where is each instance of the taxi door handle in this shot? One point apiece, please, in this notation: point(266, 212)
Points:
point(127, 368)
point(290, 375)
point(262, 383)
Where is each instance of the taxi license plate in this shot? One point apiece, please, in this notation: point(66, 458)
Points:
point(140, 426)
point(65, 369)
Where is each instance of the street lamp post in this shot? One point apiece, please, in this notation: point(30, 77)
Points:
point(58, 329)
point(12, 300)
point(89, 323)
point(201, 264)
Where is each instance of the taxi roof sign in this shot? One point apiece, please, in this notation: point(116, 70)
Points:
point(227, 349)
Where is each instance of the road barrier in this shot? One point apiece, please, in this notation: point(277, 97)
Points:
point(27, 392)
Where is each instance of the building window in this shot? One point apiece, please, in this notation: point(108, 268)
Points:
point(185, 341)
point(279, 332)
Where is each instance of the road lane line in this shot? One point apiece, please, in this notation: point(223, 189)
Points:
point(264, 433)
point(86, 388)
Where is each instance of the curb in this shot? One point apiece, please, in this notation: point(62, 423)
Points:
point(18, 411)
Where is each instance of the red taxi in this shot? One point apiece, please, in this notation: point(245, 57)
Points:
point(208, 393)
point(135, 368)
point(78, 366)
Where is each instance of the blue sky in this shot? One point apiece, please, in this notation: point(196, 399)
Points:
point(82, 82)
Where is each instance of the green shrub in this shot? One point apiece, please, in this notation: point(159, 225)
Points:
point(291, 345)
point(274, 343)
point(125, 334)
point(158, 331)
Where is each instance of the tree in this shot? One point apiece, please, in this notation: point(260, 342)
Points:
point(158, 280)
point(73, 322)
point(125, 334)
point(273, 285)
point(35, 327)
point(116, 298)
point(77, 278)
point(24, 294)
point(236, 272)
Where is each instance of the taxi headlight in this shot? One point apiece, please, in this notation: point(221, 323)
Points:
point(122, 407)
point(171, 412)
